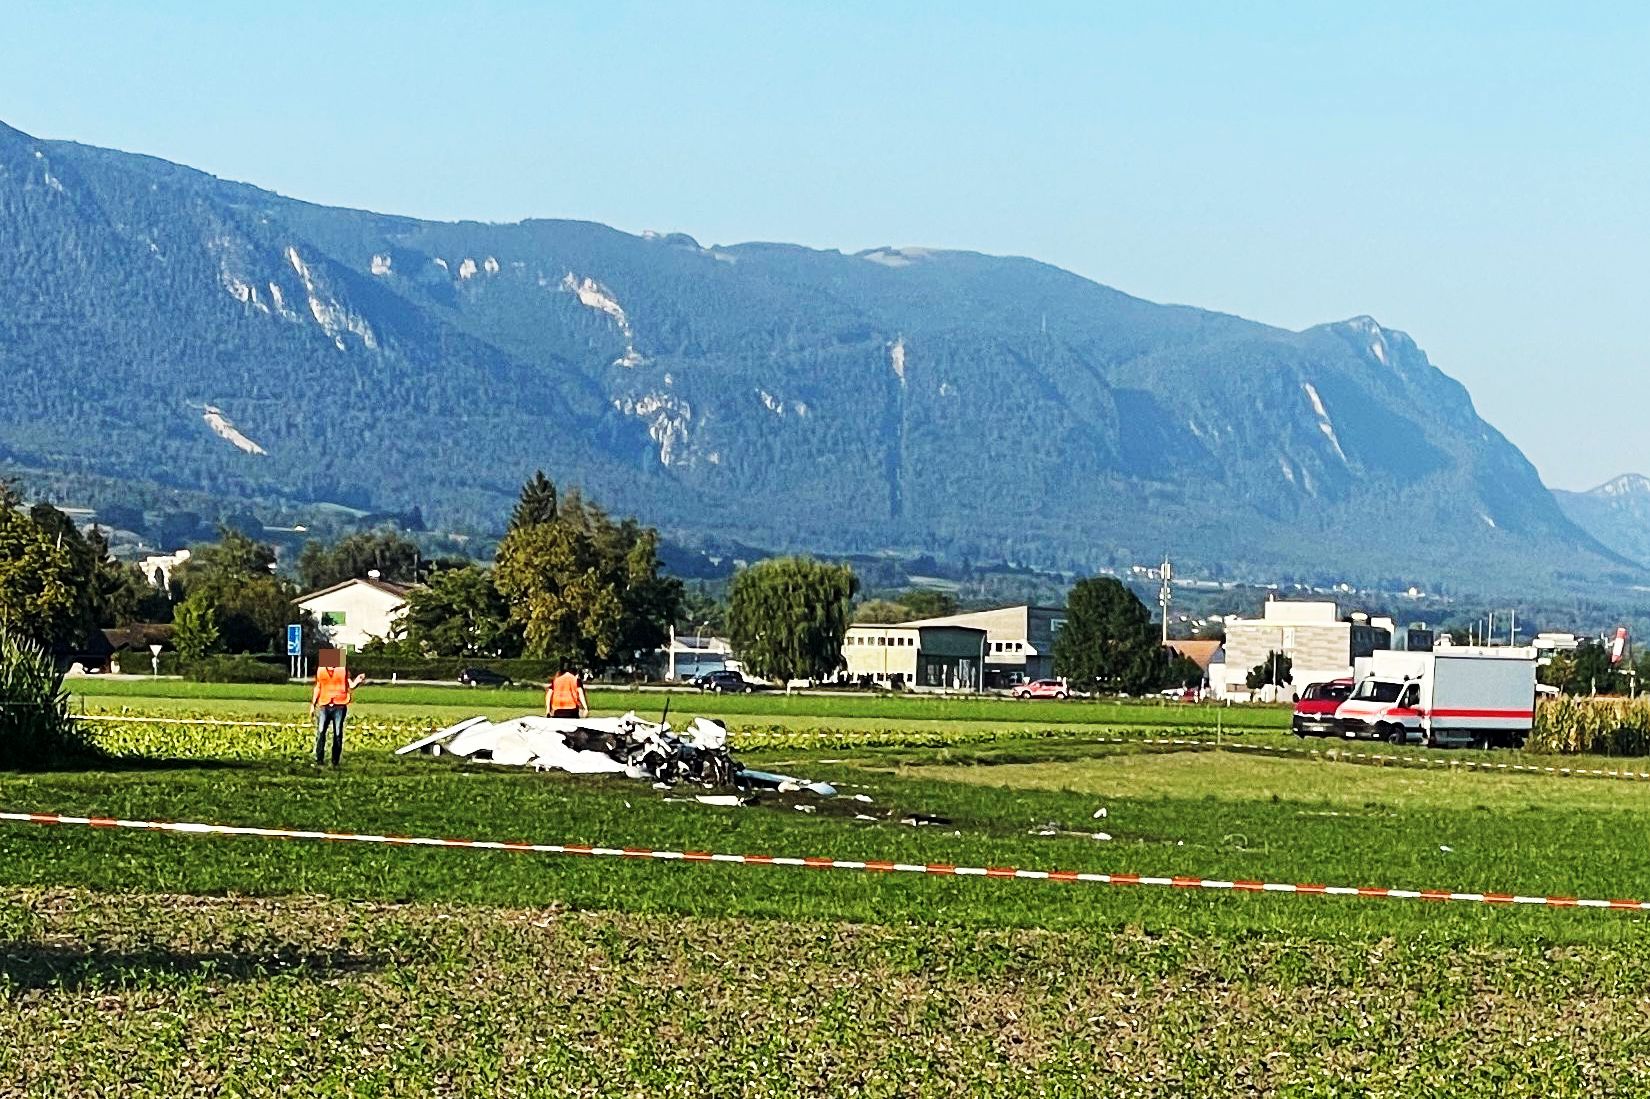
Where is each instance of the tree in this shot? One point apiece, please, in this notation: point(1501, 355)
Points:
point(584, 588)
point(195, 628)
point(884, 612)
point(1274, 671)
point(390, 554)
point(236, 577)
point(45, 574)
point(701, 612)
point(1108, 640)
point(460, 612)
point(927, 603)
point(787, 617)
point(1585, 671)
point(537, 503)
point(1180, 670)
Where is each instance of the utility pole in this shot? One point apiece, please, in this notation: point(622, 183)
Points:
point(1165, 594)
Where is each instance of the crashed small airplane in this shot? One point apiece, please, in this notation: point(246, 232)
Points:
point(628, 745)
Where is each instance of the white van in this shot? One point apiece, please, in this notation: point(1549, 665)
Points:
point(1482, 697)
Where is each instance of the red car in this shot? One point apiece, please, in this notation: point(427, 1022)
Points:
point(1315, 712)
point(1042, 688)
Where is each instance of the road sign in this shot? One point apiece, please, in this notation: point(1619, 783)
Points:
point(294, 640)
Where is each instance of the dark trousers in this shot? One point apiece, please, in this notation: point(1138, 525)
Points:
point(564, 712)
point(333, 716)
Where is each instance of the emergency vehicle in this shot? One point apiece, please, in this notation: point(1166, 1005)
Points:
point(1482, 697)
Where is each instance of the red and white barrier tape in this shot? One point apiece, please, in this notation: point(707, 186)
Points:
point(868, 865)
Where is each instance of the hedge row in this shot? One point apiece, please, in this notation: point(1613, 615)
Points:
point(381, 666)
point(1604, 726)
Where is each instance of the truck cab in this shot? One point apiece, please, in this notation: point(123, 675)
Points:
point(1382, 709)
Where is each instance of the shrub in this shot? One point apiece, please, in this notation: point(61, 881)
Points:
point(234, 669)
point(35, 728)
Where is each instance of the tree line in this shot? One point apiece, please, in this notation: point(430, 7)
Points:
point(570, 584)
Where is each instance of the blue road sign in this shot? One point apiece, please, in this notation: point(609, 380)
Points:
point(295, 640)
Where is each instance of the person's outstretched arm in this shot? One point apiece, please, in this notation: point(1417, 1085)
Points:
point(357, 681)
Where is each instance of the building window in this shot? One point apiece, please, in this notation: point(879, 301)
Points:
point(332, 618)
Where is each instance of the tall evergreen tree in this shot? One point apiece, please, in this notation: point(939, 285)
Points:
point(537, 503)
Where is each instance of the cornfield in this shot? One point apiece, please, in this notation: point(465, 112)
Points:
point(1602, 726)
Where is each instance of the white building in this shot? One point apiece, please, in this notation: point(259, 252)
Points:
point(689, 655)
point(915, 656)
point(1320, 644)
point(158, 568)
point(357, 611)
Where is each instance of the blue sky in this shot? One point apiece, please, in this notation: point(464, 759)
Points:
point(1477, 175)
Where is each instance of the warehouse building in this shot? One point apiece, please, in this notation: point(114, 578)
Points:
point(914, 656)
point(1019, 640)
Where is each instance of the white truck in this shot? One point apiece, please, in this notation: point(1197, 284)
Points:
point(1461, 696)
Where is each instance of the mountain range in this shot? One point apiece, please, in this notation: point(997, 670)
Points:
point(166, 328)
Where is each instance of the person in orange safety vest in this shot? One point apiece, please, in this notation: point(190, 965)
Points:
point(564, 697)
point(329, 702)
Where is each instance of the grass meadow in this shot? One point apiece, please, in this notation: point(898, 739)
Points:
point(153, 964)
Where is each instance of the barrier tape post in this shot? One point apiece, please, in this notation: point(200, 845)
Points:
point(1179, 882)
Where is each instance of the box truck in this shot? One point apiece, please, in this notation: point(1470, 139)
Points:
point(1482, 697)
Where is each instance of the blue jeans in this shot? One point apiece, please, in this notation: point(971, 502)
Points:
point(333, 716)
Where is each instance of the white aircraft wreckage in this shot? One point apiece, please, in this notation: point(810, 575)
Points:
point(628, 745)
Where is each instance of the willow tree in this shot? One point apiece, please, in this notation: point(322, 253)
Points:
point(787, 617)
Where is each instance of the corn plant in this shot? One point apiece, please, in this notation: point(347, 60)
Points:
point(35, 729)
point(1604, 726)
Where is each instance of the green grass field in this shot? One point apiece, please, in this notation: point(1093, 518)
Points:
point(110, 694)
point(244, 966)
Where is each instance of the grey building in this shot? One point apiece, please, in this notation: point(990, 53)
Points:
point(1019, 640)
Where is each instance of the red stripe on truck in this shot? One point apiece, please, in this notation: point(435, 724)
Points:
point(1526, 715)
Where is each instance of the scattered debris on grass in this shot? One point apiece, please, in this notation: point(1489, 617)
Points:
point(627, 745)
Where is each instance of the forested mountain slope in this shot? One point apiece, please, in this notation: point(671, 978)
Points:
point(158, 324)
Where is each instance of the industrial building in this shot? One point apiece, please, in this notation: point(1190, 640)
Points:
point(1020, 640)
point(915, 656)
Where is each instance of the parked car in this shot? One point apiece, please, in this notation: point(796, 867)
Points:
point(1315, 711)
point(483, 677)
point(1042, 688)
point(725, 681)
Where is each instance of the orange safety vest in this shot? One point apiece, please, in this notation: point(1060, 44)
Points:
point(564, 692)
point(331, 687)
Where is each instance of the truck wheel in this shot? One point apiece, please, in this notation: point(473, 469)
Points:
point(1394, 734)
